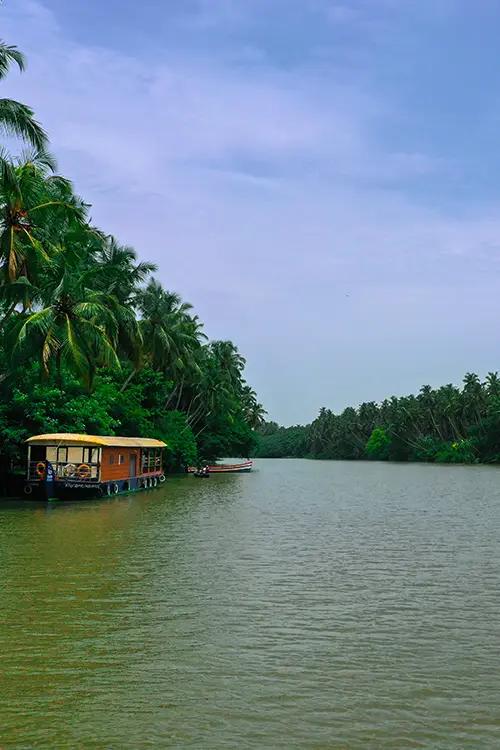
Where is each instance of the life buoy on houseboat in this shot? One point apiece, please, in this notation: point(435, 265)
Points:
point(40, 469)
point(28, 489)
point(83, 471)
point(161, 478)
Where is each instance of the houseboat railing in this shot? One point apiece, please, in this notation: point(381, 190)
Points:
point(83, 472)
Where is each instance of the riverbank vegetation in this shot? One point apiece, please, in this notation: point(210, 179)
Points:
point(90, 341)
point(443, 425)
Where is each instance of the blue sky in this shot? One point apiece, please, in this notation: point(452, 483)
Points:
point(320, 178)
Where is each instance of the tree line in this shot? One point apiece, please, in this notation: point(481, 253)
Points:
point(445, 425)
point(90, 341)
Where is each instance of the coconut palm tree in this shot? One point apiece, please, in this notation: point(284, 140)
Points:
point(170, 332)
point(493, 384)
point(17, 119)
point(211, 394)
point(230, 362)
point(253, 411)
point(119, 272)
point(77, 327)
point(36, 211)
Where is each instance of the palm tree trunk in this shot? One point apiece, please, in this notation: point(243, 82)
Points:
point(58, 369)
point(126, 383)
point(180, 394)
point(192, 419)
point(191, 404)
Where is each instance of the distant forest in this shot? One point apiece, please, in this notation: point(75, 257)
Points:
point(442, 425)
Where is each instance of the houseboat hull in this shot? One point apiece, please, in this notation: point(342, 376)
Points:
point(66, 490)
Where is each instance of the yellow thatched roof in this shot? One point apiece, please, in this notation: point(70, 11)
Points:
point(69, 438)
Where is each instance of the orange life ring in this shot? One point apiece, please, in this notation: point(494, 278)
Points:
point(83, 471)
point(40, 469)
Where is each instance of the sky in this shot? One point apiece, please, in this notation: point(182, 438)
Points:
point(319, 178)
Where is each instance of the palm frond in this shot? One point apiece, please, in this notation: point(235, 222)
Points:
point(37, 322)
point(40, 158)
point(19, 120)
point(50, 346)
point(8, 178)
point(9, 55)
point(72, 351)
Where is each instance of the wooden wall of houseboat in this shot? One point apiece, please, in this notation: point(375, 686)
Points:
point(116, 470)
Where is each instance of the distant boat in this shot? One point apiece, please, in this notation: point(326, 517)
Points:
point(245, 467)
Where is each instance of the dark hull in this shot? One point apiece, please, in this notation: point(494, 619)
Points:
point(71, 490)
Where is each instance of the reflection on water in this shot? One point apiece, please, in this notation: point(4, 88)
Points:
point(306, 605)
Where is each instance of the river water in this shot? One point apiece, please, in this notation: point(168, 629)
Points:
point(325, 605)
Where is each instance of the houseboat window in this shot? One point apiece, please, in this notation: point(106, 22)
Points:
point(148, 460)
point(75, 455)
point(90, 455)
point(121, 458)
point(62, 455)
point(37, 453)
point(111, 458)
point(51, 453)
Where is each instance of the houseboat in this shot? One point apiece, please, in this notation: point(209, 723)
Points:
point(71, 466)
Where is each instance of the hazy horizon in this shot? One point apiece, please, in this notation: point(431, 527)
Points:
point(319, 179)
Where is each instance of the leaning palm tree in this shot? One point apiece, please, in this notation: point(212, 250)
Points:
point(18, 119)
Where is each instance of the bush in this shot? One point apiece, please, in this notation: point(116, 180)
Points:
point(460, 452)
point(427, 448)
point(378, 445)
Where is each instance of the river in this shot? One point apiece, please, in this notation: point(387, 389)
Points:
point(325, 605)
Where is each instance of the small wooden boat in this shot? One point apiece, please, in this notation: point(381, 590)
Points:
point(201, 474)
point(72, 466)
point(244, 467)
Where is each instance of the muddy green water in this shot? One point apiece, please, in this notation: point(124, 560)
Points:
point(321, 605)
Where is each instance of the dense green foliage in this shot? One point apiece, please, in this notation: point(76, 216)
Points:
point(445, 425)
point(282, 442)
point(89, 341)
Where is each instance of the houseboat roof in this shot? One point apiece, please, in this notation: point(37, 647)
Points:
point(111, 441)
